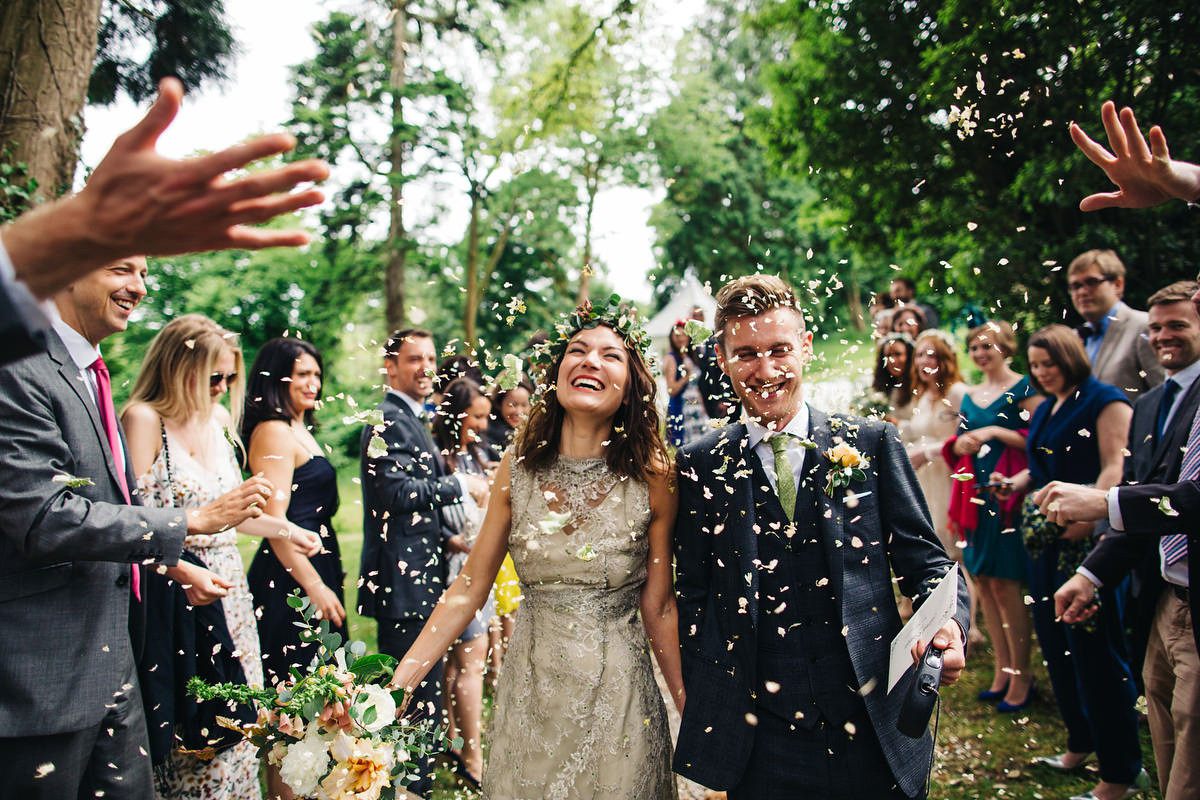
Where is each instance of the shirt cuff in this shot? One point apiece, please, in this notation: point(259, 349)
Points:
point(1115, 520)
point(1091, 576)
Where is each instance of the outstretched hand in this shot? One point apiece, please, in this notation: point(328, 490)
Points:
point(138, 202)
point(158, 206)
point(1145, 173)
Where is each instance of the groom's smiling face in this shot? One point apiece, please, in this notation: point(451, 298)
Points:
point(764, 357)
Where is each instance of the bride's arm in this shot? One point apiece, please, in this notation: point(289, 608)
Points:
point(659, 614)
point(467, 594)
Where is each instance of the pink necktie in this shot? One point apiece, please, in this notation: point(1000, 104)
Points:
point(108, 416)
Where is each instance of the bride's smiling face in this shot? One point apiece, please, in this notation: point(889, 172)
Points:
point(594, 372)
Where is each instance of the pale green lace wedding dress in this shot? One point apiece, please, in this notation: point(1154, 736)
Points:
point(578, 713)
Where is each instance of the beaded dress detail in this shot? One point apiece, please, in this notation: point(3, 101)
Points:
point(578, 713)
point(178, 479)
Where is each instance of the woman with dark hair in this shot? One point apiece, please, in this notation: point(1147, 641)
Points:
point(510, 407)
point(908, 319)
point(585, 503)
point(686, 417)
point(1078, 436)
point(893, 375)
point(458, 429)
point(284, 386)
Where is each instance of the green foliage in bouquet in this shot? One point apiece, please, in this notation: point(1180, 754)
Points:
point(332, 729)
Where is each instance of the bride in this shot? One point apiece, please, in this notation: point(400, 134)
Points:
point(584, 503)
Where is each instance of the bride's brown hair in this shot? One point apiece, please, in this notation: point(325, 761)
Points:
point(634, 450)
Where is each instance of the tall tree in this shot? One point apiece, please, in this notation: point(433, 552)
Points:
point(375, 101)
point(579, 89)
point(49, 51)
point(940, 126)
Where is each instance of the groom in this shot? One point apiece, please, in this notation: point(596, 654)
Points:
point(785, 625)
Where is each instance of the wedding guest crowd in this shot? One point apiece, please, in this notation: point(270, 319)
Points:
point(1016, 479)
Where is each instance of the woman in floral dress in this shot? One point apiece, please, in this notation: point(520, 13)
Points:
point(181, 449)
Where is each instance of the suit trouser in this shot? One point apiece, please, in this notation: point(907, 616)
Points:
point(111, 759)
point(1172, 675)
point(824, 762)
point(1093, 685)
point(396, 636)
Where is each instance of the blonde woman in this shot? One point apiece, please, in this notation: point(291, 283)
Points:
point(180, 440)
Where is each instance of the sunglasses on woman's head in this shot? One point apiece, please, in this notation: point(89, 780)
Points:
point(215, 379)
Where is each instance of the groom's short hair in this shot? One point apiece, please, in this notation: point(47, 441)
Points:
point(751, 295)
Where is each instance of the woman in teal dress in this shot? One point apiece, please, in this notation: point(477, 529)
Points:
point(995, 417)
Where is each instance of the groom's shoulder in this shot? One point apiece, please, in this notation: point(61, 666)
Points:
point(713, 442)
point(851, 428)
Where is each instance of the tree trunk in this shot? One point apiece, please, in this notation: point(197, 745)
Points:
point(471, 306)
point(46, 54)
point(397, 242)
point(591, 183)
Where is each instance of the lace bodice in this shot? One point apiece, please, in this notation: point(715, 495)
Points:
point(578, 712)
point(188, 483)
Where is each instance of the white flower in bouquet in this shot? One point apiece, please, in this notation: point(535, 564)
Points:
point(361, 770)
point(374, 708)
point(305, 762)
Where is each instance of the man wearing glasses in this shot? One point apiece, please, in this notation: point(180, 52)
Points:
point(1113, 334)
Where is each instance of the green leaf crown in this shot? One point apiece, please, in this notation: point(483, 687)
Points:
point(614, 313)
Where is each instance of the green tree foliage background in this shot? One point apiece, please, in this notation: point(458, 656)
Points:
point(940, 128)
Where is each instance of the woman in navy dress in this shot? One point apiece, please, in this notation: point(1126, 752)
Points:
point(285, 383)
point(1079, 435)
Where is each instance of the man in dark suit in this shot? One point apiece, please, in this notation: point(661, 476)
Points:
point(71, 720)
point(1160, 614)
point(786, 609)
point(405, 486)
point(1113, 333)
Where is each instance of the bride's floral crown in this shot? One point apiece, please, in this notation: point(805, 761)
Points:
point(614, 314)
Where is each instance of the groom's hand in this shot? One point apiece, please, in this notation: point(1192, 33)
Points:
point(950, 641)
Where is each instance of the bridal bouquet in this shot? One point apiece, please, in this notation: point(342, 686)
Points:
point(332, 730)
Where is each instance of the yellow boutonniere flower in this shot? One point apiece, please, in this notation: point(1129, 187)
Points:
point(846, 464)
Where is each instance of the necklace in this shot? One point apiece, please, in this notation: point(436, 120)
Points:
point(577, 487)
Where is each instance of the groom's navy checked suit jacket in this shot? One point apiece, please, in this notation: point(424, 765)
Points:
point(717, 586)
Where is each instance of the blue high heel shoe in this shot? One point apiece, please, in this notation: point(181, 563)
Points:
point(988, 696)
point(1009, 708)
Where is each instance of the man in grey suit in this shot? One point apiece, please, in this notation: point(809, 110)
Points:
point(1161, 613)
point(1114, 335)
point(71, 721)
point(405, 485)
point(786, 611)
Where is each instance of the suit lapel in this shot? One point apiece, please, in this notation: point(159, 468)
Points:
point(1111, 342)
point(69, 372)
point(423, 435)
point(829, 509)
point(1169, 449)
point(731, 482)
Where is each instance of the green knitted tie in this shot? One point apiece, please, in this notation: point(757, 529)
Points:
point(785, 480)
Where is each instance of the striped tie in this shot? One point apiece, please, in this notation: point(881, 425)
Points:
point(1174, 547)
